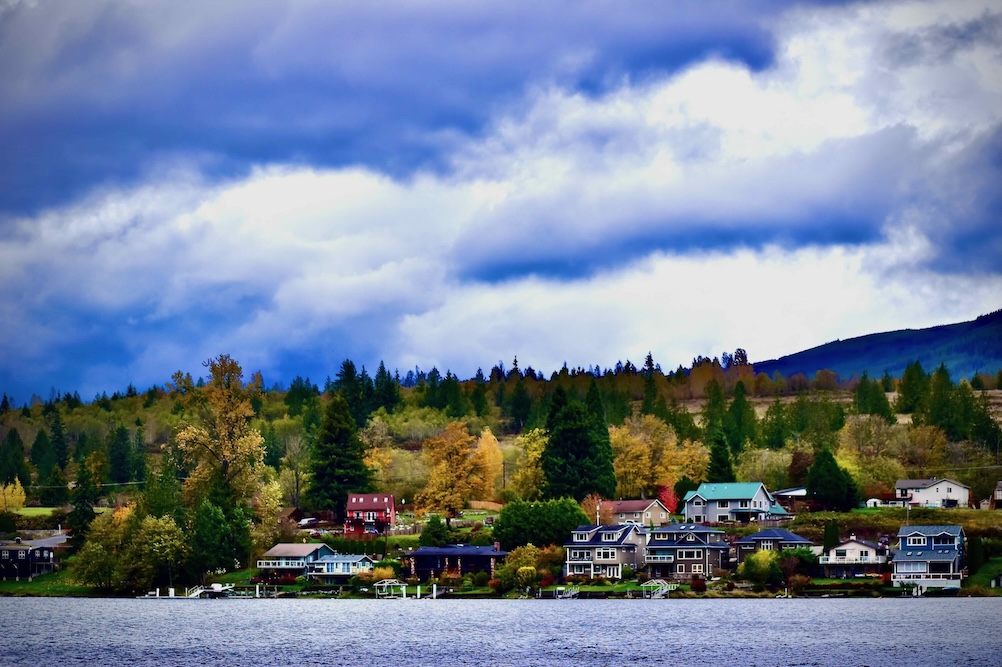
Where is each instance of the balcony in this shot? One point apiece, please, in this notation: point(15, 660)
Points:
point(659, 558)
point(852, 560)
point(915, 576)
point(281, 564)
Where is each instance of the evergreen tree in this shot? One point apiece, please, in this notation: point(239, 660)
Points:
point(299, 391)
point(649, 405)
point(772, 430)
point(478, 397)
point(387, 390)
point(54, 492)
point(211, 547)
point(684, 486)
point(740, 422)
point(720, 469)
point(138, 454)
point(869, 399)
point(60, 448)
point(435, 532)
point(913, 389)
point(162, 495)
point(42, 456)
point(520, 405)
point(942, 408)
point(84, 496)
point(828, 485)
point(558, 401)
point(357, 391)
point(831, 537)
point(715, 409)
point(119, 455)
point(574, 462)
point(337, 460)
point(12, 462)
point(273, 450)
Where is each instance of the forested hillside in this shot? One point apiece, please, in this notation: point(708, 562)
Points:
point(966, 348)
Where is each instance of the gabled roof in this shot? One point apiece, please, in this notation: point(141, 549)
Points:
point(912, 555)
point(677, 535)
point(925, 483)
point(596, 533)
point(627, 506)
point(295, 549)
point(726, 491)
point(369, 501)
point(931, 531)
point(855, 540)
point(775, 534)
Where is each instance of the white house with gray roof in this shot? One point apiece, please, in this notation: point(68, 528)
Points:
point(929, 557)
point(934, 492)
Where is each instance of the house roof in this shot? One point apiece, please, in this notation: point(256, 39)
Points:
point(623, 530)
point(369, 501)
point(775, 534)
point(924, 555)
point(294, 549)
point(726, 491)
point(459, 550)
point(625, 506)
point(930, 531)
point(853, 540)
point(925, 483)
point(677, 534)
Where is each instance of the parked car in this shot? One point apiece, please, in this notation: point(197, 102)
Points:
point(308, 522)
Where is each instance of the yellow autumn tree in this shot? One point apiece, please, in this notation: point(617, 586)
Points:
point(13, 496)
point(452, 478)
point(648, 455)
point(216, 435)
point(528, 481)
point(632, 461)
point(487, 466)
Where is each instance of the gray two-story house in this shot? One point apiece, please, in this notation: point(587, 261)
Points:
point(731, 502)
point(685, 550)
point(603, 551)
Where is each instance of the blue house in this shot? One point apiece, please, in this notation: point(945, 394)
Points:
point(603, 551)
point(929, 557)
point(770, 539)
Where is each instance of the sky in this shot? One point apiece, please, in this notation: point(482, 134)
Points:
point(453, 184)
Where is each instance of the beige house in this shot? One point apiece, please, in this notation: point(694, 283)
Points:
point(640, 512)
point(603, 551)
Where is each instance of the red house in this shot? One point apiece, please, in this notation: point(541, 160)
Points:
point(369, 513)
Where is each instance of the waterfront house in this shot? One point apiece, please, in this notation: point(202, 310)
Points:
point(369, 513)
point(682, 550)
point(731, 502)
point(854, 557)
point(935, 492)
point(338, 568)
point(295, 558)
point(603, 551)
point(24, 561)
point(929, 557)
point(770, 539)
point(429, 562)
point(996, 499)
point(641, 512)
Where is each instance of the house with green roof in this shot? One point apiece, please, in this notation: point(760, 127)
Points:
point(742, 502)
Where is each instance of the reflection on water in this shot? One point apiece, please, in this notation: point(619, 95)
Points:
point(878, 632)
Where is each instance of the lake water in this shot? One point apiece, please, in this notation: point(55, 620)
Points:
point(843, 632)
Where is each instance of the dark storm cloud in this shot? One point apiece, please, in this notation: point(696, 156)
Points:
point(103, 92)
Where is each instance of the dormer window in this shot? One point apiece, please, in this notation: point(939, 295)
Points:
point(608, 537)
point(916, 541)
point(690, 538)
point(580, 537)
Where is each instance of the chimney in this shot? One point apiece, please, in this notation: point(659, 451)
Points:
point(852, 537)
point(497, 546)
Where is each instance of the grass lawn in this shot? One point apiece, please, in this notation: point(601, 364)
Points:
point(57, 584)
point(986, 573)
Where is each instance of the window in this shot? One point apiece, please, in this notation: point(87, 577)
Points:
point(580, 554)
point(20, 554)
point(605, 554)
point(721, 518)
point(680, 568)
point(723, 504)
point(942, 541)
point(698, 518)
point(580, 537)
point(698, 502)
point(840, 553)
point(690, 554)
point(636, 515)
point(949, 489)
point(690, 538)
point(647, 515)
point(743, 504)
point(697, 568)
point(5, 555)
point(767, 545)
point(906, 568)
point(662, 515)
point(916, 540)
point(609, 537)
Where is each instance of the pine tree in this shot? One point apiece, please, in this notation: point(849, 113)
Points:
point(913, 389)
point(42, 456)
point(575, 462)
point(720, 469)
point(829, 485)
point(119, 455)
point(739, 423)
point(387, 390)
point(60, 448)
point(12, 462)
point(84, 497)
point(337, 460)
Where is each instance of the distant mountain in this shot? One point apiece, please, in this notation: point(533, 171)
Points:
point(966, 348)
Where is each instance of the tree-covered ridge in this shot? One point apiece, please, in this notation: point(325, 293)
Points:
point(966, 348)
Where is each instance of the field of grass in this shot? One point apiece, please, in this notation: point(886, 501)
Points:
point(991, 569)
point(57, 584)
